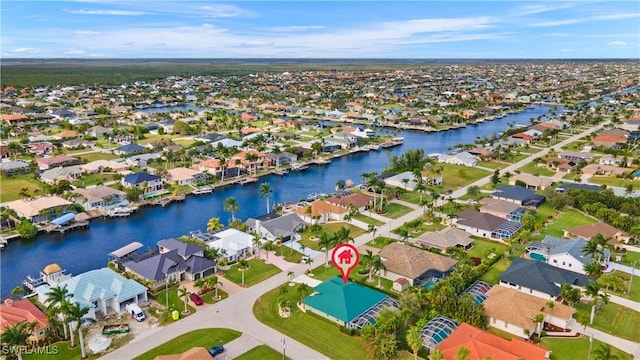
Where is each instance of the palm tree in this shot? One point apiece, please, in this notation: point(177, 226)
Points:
point(592, 290)
point(303, 290)
point(436, 355)
point(538, 319)
point(184, 294)
point(473, 191)
point(414, 341)
point(372, 229)
point(214, 224)
point(57, 299)
point(267, 247)
point(243, 265)
point(593, 269)
point(603, 352)
point(325, 243)
point(378, 266)
point(256, 242)
point(343, 235)
point(214, 283)
point(366, 262)
point(76, 313)
point(15, 337)
point(231, 205)
point(264, 192)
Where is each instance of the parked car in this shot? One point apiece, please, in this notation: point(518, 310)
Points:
point(135, 311)
point(216, 350)
point(196, 299)
point(472, 202)
point(449, 192)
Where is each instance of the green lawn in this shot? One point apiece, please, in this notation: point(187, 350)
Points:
point(456, 176)
point(208, 297)
point(568, 219)
point(324, 273)
point(410, 196)
point(614, 319)
point(96, 156)
point(202, 337)
point(491, 165)
point(575, 348)
point(380, 242)
point(11, 186)
point(544, 212)
point(610, 181)
point(320, 335)
point(635, 285)
point(59, 351)
point(532, 169)
point(257, 272)
point(175, 302)
point(262, 352)
point(394, 211)
point(493, 275)
point(574, 146)
point(368, 220)
point(290, 254)
point(94, 179)
point(481, 248)
point(630, 257)
point(330, 229)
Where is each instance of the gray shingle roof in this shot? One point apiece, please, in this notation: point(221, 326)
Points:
point(542, 277)
point(184, 249)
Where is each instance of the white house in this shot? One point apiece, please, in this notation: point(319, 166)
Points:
point(563, 253)
point(462, 158)
point(235, 244)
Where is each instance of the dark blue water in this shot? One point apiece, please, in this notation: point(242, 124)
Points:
point(83, 250)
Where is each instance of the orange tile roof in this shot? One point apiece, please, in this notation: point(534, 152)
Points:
point(482, 344)
point(320, 207)
point(611, 139)
point(13, 117)
point(21, 311)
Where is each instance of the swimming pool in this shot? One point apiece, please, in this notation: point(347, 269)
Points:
point(429, 283)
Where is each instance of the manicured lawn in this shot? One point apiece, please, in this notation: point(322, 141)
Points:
point(635, 285)
point(544, 212)
point(452, 176)
point(290, 254)
point(394, 211)
point(491, 165)
point(368, 220)
point(481, 248)
point(410, 196)
point(610, 181)
point(262, 352)
point(575, 348)
point(614, 319)
point(97, 156)
point(94, 179)
point(574, 146)
point(208, 297)
point(175, 302)
point(257, 272)
point(59, 351)
point(630, 257)
point(493, 275)
point(330, 229)
point(11, 186)
point(380, 242)
point(320, 335)
point(205, 338)
point(531, 168)
point(568, 219)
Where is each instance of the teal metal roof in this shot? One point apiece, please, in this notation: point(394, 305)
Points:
point(344, 302)
point(102, 284)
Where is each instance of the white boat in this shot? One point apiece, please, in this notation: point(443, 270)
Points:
point(121, 211)
point(202, 190)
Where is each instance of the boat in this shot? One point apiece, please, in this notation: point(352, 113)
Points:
point(121, 211)
point(115, 329)
point(321, 161)
point(298, 167)
point(248, 180)
point(202, 190)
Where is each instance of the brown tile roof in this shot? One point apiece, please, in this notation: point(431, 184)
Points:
point(590, 230)
point(445, 238)
point(412, 262)
point(320, 207)
point(520, 309)
point(482, 344)
point(196, 353)
point(357, 200)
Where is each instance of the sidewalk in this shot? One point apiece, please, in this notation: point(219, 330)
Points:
point(633, 305)
point(627, 346)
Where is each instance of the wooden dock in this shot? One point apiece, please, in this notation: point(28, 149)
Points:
point(64, 228)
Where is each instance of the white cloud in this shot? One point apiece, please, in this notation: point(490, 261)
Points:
point(109, 12)
point(257, 43)
point(566, 50)
point(75, 52)
point(83, 33)
point(586, 19)
point(23, 50)
point(296, 28)
point(537, 9)
point(617, 43)
point(222, 11)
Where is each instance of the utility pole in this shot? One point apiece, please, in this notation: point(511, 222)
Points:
point(284, 348)
point(633, 269)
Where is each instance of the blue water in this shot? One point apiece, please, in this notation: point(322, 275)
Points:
point(83, 250)
point(429, 284)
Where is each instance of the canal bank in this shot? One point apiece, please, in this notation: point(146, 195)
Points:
point(87, 249)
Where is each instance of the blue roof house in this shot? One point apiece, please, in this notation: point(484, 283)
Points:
point(129, 149)
point(153, 182)
point(518, 195)
point(101, 290)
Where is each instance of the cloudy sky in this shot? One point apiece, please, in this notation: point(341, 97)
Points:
point(320, 29)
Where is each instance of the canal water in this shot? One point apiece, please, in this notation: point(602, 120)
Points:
point(82, 250)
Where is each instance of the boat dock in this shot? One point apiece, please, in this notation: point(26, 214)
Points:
point(121, 211)
point(248, 180)
point(68, 227)
point(202, 190)
point(280, 172)
point(167, 200)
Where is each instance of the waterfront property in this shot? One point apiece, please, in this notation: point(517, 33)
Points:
point(14, 312)
point(351, 305)
point(413, 264)
point(144, 181)
point(320, 212)
point(40, 209)
point(100, 197)
point(233, 244)
point(564, 253)
point(100, 290)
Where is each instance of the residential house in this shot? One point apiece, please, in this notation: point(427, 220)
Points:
point(100, 197)
point(320, 212)
point(564, 253)
point(344, 139)
point(588, 231)
point(463, 158)
point(486, 225)
point(124, 139)
point(484, 345)
point(141, 160)
point(518, 195)
point(604, 170)
point(532, 182)
point(152, 182)
point(102, 290)
point(175, 260)
point(445, 238)
point(46, 163)
point(129, 149)
point(611, 139)
point(15, 119)
point(514, 312)
point(358, 201)
point(413, 264)
point(76, 143)
point(41, 148)
point(66, 134)
point(213, 167)
point(40, 209)
point(540, 279)
point(14, 312)
point(14, 167)
point(285, 227)
point(233, 244)
point(502, 209)
point(247, 164)
point(98, 131)
point(185, 176)
point(576, 156)
point(69, 173)
point(350, 305)
point(615, 160)
point(520, 139)
point(410, 184)
point(282, 158)
point(100, 166)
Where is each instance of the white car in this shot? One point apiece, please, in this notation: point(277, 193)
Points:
point(471, 202)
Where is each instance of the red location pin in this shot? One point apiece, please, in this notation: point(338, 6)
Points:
point(345, 258)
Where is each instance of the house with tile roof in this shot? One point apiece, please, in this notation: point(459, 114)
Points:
point(540, 279)
point(45, 163)
point(14, 312)
point(445, 238)
point(350, 305)
point(153, 182)
point(40, 209)
point(514, 311)
point(564, 253)
point(320, 212)
point(486, 225)
point(588, 231)
point(413, 264)
point(100, 197)
point(102, 290)
point(532, 182)
point(482, 345)
point(186, 176)
point(286, 227)
point(502, 209)
point(358, 201)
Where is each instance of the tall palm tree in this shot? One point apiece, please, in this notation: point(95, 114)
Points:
point(184, 294)
point(378, 266)
point(603, 352)
point(265, 192)
point(303, 290)
point(213, 282)
point(231, 205)
point(343, 235)
point(57, 299)
point(592, 290)
point(15, 337)
point(414, 341)
point(256, 241)
point(366, 261)
point(268, 247)
point(372, 229)
point(325, 244)
point(214, 224)
point(243, 265)
point(76, 313)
